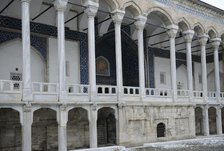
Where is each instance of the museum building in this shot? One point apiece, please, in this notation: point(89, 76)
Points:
point(91, 73)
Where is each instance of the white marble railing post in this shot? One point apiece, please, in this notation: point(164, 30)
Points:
point(219, 120)
point(140, 24)
point(203, 41)
point(27, 84)
point(117, 18)
point(60, 6)
point(172, 35)
point(26, 122)
point(205, 121)
point(188, 36)
point(93, 126)
point(215, 43)
point(91, 11)
point(62, 128)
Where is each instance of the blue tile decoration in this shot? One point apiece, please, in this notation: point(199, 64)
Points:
point(40, 43)
point(192, 11)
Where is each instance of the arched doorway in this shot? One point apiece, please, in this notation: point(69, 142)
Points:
point(212, 120)
point(44, 130)
point(10, 130)
point(77, 129)
point(106, 127)
point(198, 121)
point(161, 130)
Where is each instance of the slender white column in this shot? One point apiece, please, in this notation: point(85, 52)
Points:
point(172, 34)
point(27, 85)
point(91, 11)
point(62, 128)
point(93, 127)
point(219, 120)
point(205, 121)
point(60, 6)
point(26, 122)
point(203, 41)
point(215, 43)
point(140, 24)
point(188, 35)
point(117, 18)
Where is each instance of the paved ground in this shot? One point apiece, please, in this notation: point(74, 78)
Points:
point(199, 144)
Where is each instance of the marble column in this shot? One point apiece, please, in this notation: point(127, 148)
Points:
point(91, 11)
point(203, 41)
point(172, 35)
point(27, 84)
point(188, 36)
point(215, 43)
point(62, 128)
point(60, 6)
point(93, 126)
point(205, 121)
point(140, 24)
point(219, 120)
point(26, 122)
point(117, 18)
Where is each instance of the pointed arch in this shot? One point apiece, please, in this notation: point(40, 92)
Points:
point(133, 7)
point(113, 4)
point(199, 29)
point(212, 32)
point(162, 14)
point(183, 24)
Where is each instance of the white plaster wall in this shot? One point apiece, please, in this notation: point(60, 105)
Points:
point(182, 77)
point(11, 58)
point(72, 54)
point(162, 65)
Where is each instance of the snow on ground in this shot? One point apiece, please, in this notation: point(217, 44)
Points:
point(200, 141)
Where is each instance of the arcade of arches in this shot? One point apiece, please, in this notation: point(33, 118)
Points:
point(89, 73)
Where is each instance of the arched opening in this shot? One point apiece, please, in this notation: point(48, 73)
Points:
point(44, 130)
point(106, 127)
point(77, 129)
point(223, 120)
point(10, 130)
point(198, 121)
point(161, 130)
point(212, 120)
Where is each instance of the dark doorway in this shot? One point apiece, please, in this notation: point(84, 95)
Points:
point(161, 127)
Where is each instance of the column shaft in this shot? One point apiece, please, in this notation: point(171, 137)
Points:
point(27, 85)
point(205, 122)
point(219, 121)
point(93, 128)
point(26, 130)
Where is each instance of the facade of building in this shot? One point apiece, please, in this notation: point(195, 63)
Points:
point(88, 73)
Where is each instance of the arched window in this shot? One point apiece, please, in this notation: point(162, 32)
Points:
point(102, 66)
point(161, 127)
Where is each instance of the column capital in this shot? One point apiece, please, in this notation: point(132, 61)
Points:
point(188, 36)
point(172, 30)
point(215, 43)
point(203, 39)
point(140, 22)
point(117, 16)
point(26, 1)
point(60, 5)
point(92, 8)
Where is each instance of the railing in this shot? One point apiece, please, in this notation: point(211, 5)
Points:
point(9, 86)
point(132, 91)
point(222, 95)
point(183, 93)
point(198, 94)
point(106, 90)
point(158, 92)
point(78, 89)
point(48, 88)
point(211, 94)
